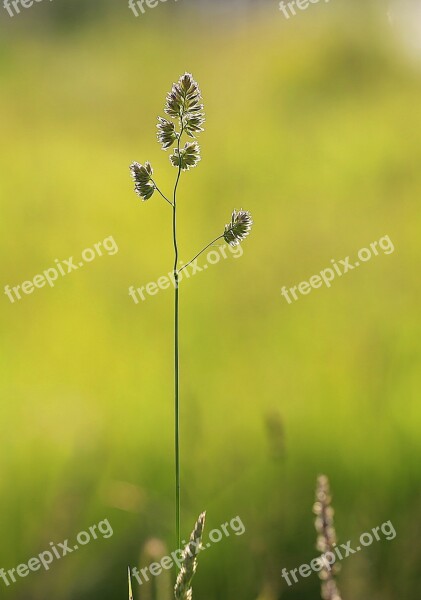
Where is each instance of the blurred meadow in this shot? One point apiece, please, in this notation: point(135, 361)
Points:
point(314, 125)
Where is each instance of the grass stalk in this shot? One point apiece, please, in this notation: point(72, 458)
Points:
point(177, 362)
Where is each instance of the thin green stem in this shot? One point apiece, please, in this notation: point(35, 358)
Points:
point(176, 360)
point(201, 252)
point(159, 192)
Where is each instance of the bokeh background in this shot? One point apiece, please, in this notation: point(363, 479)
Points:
point(314, 125)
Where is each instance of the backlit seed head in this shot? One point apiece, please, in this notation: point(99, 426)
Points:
point(183, 588)
point(167, 134)
point(239, 227)
point(142, 176)
point(192, 123)
point(187, 157)
point(184, 98)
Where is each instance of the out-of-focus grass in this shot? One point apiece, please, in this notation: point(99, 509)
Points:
point(315, 129)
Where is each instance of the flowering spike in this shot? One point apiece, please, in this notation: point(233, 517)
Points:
point(184, 98)
point(183, 589)
point(130, 585)
point(326, 537)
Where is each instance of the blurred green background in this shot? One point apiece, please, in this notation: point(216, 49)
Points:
point(314, 125)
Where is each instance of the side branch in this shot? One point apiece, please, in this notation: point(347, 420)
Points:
point(201, 252)
point(159, 192)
